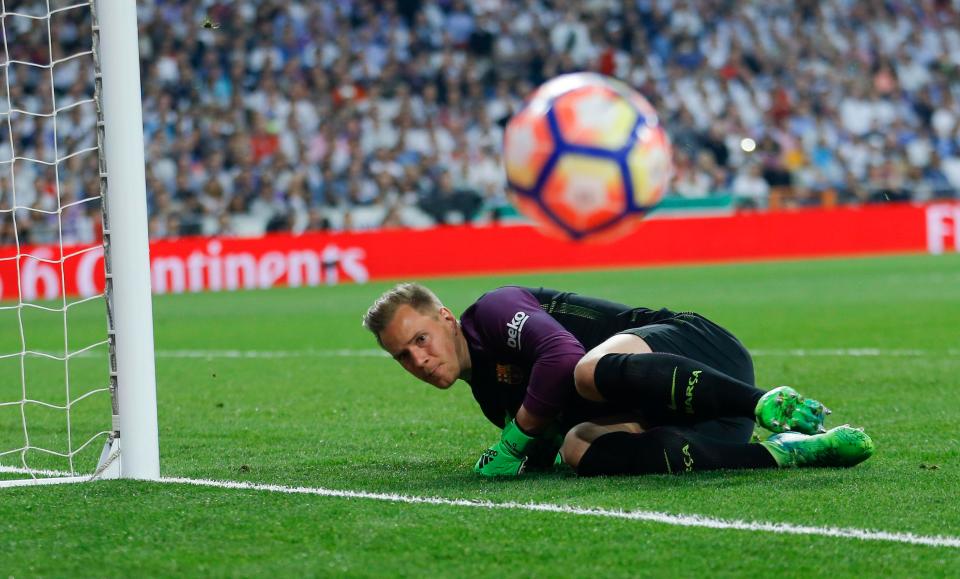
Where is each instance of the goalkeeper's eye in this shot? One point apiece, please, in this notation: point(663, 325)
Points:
point(421, 339)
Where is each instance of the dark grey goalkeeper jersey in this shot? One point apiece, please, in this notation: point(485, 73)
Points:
point(525, 342)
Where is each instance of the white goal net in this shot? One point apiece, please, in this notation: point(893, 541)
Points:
point(58, 375)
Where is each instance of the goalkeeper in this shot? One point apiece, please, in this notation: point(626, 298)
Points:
point(617, 389)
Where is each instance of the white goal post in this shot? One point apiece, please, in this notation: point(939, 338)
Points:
point(125, 229)
point(131, 447)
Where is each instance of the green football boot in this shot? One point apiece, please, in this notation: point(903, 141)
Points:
point(840, 446)
point(784, 409)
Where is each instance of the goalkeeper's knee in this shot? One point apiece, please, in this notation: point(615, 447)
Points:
point(573, 448)
point(578, 440)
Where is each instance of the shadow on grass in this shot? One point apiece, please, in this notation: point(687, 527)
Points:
point(451, 478)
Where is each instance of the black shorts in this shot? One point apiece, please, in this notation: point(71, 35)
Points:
point(694, 336)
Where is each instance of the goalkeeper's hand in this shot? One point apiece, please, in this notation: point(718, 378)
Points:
point(507, 457)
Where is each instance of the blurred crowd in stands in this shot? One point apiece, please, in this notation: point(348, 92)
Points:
point(357, 114)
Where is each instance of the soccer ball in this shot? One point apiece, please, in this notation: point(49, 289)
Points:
point(585, 157)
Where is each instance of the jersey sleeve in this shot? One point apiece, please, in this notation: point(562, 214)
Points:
point(513, 325)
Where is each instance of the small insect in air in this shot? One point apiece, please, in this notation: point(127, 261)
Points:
point(210, 24)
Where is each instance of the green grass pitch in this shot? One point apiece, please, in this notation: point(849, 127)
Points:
point(359, 423)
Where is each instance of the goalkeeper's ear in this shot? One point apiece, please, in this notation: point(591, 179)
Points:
point(445, 314)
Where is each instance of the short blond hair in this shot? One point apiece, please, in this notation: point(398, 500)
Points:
point(418, 297)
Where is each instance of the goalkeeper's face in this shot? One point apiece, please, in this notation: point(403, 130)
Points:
point(429, 345)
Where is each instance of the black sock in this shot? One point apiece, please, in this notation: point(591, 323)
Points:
point(666, 386)
point(668, 450)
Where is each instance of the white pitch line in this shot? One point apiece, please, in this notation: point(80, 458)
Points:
point(271, 354)
point(851, 352)
point(39, 482)
point(35, 472)
point(645, 516)
point(375, 353)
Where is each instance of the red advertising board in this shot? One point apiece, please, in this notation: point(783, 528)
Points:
point(213, 264)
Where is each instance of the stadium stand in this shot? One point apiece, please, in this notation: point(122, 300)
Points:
point(296, 116)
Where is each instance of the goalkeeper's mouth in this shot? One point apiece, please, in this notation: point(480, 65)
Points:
point(437, 380)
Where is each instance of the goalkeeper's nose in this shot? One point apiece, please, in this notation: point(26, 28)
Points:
point(422, 360)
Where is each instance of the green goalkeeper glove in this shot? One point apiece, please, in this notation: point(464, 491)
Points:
point(508, 456)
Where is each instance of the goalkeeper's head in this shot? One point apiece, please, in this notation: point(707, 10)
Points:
point(424, 336)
